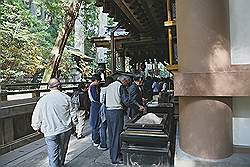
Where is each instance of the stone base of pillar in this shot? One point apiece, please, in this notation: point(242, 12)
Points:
point(183, 159)
point(206, 126)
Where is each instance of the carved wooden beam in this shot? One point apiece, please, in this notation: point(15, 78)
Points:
point(147, 6)
point(124, 7)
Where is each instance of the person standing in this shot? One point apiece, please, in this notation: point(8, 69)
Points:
point(117, 99)
point(155, 89)
point(81, 104)
point(53, 116)
point(103, 111)
point(135, 96)
point(94, 96)
point(147, 88)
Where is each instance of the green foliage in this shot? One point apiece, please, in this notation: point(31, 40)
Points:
point(111, 21)
point(22, 41)
point(91, 22)
point(26, 40)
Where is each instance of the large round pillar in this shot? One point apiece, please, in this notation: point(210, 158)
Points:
point(203, 31)
point(206, 127)
point(203, 53)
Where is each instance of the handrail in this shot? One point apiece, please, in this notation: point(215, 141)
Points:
point(37, 84)
point(17, 105)
point(9, 89)
point(32, 90)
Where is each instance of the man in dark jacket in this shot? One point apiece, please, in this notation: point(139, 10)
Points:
point(94, 96)
point(147, 88)
point(81, 104)
point(135, 96)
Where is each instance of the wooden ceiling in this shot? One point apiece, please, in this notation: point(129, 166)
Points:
point(145, 50)
point(139, 17)
point(143, 19)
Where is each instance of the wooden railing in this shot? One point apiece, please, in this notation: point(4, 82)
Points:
point(34, 88)
point(15, 115)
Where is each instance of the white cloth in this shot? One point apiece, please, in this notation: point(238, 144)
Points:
point(53, 114)
point(149, 118)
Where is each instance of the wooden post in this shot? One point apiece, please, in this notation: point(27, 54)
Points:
point(1, 132)
point(3, 93)
point(122, 57)
point(113, 57)
point(36, 93)
point(8, 130)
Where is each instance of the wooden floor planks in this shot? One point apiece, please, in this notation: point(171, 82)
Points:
point(81, 153)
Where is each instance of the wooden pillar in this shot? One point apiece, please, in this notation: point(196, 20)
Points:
point(206, 126)
point(3, 93)
point(203, 48)
point(8, 130)
point(122, 58)
point(36, 93)
point(1, 132)
point(133, 68)
point(3, 96)
point(113, 47)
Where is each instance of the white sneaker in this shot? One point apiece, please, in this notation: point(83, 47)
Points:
point(102, 148)
point(79, 136)
point(95, 144)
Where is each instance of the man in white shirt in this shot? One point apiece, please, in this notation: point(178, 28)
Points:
point(53, 116)
point(117, 101)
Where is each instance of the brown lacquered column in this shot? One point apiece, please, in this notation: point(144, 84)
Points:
point(203, 47)
point(206, 127)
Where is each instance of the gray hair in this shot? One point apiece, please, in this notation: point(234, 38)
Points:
point(123, 78)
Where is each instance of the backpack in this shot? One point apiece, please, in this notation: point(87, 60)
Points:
point(75, 101)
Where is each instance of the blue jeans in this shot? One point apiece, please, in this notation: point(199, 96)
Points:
point(99, 135)
point(57, 146)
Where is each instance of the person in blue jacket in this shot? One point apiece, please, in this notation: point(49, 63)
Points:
point(94, 96)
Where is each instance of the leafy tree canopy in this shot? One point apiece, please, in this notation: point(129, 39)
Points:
point(26, 39)
point(23, 40)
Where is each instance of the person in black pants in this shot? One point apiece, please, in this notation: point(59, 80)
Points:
point(115, 121)
point(117, 99)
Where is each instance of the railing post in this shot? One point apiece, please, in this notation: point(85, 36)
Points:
point(8, 131)
point(36, 93)
point(3, 93)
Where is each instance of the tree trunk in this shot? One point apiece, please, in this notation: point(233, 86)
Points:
point(43, 13)
point(79, 33)
point(32, 7)
point(61, 40)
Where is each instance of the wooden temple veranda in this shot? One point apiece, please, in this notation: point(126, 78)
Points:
point(205, 45)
